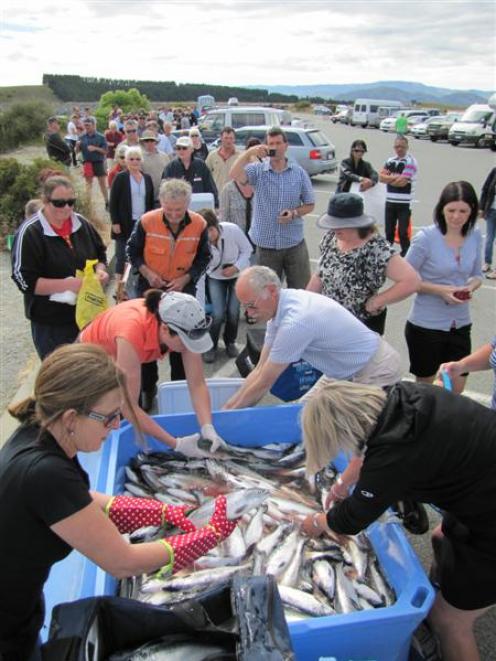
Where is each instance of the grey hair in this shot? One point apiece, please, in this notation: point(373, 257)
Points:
point(120, 150)
point(132, 123)
point(259, 277)
point(90, 119)
point(134, 150)
point(338, 417)
point(174, 189)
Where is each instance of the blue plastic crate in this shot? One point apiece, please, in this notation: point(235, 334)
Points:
point(381, 634)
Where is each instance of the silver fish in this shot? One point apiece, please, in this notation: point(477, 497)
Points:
point(254, 530)
point(371, 596)
point(304, 602)
point(238, 502)
point(324, 578)
point(292, 571)
point(346, 600)
point(281, 557)
point(203, 578)
point(179, 651)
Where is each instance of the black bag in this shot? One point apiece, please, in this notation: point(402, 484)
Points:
point(245, 617)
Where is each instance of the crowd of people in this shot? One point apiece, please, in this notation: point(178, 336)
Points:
point(405, 440)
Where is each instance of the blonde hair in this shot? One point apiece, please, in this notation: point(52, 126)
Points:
point(133, 150)
point(32, 206)
point(338, 417)
point(120, 150)
point(74, 376)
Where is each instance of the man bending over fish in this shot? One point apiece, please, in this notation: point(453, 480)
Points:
point(303, 324)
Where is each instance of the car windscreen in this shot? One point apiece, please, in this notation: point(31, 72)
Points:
point(476, 115)
point(317, 138)
point(214, 121)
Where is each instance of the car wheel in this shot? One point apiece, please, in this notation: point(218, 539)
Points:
point(454, 142)
point(433, 138)
point(493, 146)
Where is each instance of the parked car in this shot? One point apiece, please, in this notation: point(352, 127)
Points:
point(439, 127)
point(475, 127)
point(309, 147)
point(321, 110)
point(420, 130)
point(413, 120)
point(343, 116)
point(389, 123)
point(213, 122)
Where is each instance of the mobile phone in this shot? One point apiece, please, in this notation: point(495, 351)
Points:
point(272, 152)
point(462, 295)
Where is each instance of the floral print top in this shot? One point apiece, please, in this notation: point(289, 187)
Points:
point(351, 278)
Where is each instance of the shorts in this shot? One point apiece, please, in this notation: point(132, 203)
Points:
point(429, 348)
point(94, 169)
point(466, 567)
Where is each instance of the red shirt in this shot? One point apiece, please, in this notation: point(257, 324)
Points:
point(64, 231)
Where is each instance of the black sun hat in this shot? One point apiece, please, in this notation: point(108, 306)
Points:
point(345, 210)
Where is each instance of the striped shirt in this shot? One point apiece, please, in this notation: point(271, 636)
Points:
point(406, 167)
point(319, 330)
point(274, 192)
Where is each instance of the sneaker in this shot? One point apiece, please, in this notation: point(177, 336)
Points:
point(486, 268)
point(210, 356)
point(232, 350)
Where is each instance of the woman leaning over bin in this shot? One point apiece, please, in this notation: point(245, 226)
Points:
point(47, 509)
point(423, 443)
point(48, 249)
point(144, 330)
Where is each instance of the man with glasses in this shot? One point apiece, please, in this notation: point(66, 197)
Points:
point(93, 147)
point(131, 133)
point(283, 195)
point(193, 170)
point(305, 325)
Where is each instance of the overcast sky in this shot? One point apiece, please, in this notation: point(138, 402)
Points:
point(447, 43)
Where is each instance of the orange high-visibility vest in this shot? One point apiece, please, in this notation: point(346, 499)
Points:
point(168, 256)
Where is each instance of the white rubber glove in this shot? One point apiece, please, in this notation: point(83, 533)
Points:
point(188, 445)
point(209, 434)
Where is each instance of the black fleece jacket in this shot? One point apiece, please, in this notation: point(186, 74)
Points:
point(431, 446)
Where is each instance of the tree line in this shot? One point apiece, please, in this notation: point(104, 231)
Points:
point(71, 88)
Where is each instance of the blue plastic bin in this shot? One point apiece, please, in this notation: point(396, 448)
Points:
point(374, 635)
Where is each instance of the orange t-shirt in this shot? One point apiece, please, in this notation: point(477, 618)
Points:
point(131, 321)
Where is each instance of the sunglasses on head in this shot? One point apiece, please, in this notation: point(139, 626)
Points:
point(106, 420)
point(60, 204)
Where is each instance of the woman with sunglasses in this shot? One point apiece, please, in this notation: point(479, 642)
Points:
point(47, 508)
point(355, 170)
point(131, 196)
point(143, 330)
point(48, 249)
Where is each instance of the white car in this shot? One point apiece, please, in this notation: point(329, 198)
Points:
point(420, 130)
point(388, 123)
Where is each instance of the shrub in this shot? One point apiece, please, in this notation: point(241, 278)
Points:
point(22, 123)
point(302, 105)
point(129, 101)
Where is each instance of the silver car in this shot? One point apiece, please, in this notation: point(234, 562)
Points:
point(309, 147)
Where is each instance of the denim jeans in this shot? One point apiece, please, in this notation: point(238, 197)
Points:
point(490, 235)
point(225, 307)
point(47, 337)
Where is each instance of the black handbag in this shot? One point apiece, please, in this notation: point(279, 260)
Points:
point(244, 618)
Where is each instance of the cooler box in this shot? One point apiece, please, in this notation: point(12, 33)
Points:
point(174, 397)
point(381, 634)
point(201, 201)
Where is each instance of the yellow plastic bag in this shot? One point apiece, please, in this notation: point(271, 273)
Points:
point(91, 298)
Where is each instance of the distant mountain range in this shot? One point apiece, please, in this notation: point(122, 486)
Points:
point(395, 90)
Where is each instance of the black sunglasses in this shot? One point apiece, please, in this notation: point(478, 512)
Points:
point(60, 204)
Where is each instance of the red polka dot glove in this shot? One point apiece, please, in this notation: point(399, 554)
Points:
point(219, 520)
point(185, 549)
point(129, 514)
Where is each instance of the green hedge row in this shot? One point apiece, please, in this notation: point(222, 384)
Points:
point(23, 123)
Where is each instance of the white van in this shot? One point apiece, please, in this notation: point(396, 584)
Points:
point(382, 113)
point(237, 116)
point(475, 126)
point(365, 111)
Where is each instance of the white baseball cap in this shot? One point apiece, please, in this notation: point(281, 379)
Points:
point(184, 315)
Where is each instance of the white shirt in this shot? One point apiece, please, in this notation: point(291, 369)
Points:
point(232, 248)
point(319, 330)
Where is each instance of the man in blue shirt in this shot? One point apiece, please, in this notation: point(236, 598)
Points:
point(283, 195)
point(93, 146)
